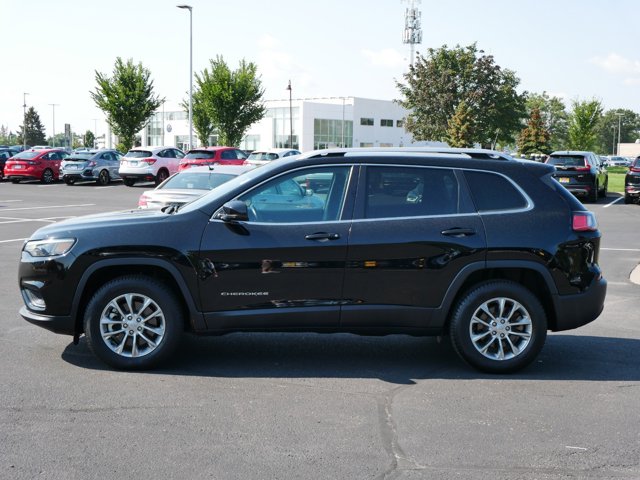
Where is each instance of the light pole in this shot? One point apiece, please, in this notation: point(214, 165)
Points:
point(24, 121)
point(95, 131)
point(53, 106)
point(190, 8)
point(620, 115)
point(290, 117)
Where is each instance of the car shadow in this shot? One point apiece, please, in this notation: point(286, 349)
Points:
point(397, 359)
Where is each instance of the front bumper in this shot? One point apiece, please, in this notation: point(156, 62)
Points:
point(57, 324)
point(575, 310)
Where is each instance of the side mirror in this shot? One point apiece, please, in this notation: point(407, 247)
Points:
point(234, 211)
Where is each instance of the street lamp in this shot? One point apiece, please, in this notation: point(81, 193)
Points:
point(24, 121)
point(620, 115)
point(290, 117)
point(613, 141)
point(190, 8)
point(53, 106)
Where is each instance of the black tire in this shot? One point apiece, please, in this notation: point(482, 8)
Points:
point(129, 182)
point(47, 176)
point(481, 332)
point(161, 176)
point(146, 337)
point(103, 178)
point(15, 181)
point(628, 199)
point(69, 181)
point(594, 193)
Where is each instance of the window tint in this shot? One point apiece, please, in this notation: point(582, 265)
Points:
point(568, 161)
point(311, 195)
point(201, 155)
point(138, 154)
point(492, 192)
point(228, 155)
point(411, 192)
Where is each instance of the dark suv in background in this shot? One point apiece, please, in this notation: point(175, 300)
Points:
point(582, 173)
point(632, 182)
point(467, 243)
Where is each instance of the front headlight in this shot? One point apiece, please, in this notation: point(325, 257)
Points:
point(50, 247)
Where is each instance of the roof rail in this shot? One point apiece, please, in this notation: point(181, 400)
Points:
point(476, 153)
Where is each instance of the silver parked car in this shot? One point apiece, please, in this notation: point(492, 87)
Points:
point(262, 157)
point(100, 166)
point(189, 184)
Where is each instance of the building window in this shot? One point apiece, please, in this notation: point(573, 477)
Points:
point(250, 142)
point(386, 123)
point(282, 124)
point(386, 145)
point(399, 123)
point(366, 144)
point(366, 121)
point(329, 133)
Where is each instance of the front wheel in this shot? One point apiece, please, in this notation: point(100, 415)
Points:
point(498, 327)
point(103, 178)
point(133, 322)
point(69, 181)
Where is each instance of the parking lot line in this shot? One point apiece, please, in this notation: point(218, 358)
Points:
point(13, 240)
point(48, 206)
point(611, 203)
point(621, 249)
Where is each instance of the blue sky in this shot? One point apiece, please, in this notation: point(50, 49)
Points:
point(51, 49)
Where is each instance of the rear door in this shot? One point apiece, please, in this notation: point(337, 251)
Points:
point(414, 229)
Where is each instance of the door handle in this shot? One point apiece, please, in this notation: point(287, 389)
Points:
point(322, 236)
point(458, 232)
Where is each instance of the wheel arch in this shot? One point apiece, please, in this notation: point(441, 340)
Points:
point(100, 273)
point(536, 278)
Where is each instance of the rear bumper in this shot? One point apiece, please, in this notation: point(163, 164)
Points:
point(573, 311)
point(57, 324)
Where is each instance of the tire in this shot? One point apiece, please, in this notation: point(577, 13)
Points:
point(594, 193)
point(161, 176)
point(498, 327)
point(147, 337)
point(47, 176)
point(628, 199)
point(103, 178)
point(69, 181)
point(15, 181)
point(129, 182)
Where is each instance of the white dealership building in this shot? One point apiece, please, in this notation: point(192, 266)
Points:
point(307, 124)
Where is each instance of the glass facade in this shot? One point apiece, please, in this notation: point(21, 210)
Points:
point(366, 121)
point(284, 128)
point(329, 133)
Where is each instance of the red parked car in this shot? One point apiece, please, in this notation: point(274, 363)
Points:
point(198, 157)
point(43, 165)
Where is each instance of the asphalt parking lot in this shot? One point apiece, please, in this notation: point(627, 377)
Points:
point(308, 406)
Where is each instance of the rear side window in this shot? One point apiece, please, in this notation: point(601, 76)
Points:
point(394, 192)
point(493, 192)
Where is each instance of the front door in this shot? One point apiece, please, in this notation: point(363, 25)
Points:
point(284, 267)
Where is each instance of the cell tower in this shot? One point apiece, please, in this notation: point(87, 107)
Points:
point(412, 31)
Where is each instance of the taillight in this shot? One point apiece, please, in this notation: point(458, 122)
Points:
point(142, 201)
point(584, 222)
point(92, 164)
point(583, 169)
point(635, 169)
point(150, 161)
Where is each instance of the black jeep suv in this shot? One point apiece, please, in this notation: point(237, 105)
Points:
point(470, 243)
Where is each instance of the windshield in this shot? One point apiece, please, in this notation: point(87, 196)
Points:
point(199, 181)
point(200, 155)
point(26, 155)
point(568, 161)
point(138, 154)
point(262, 156)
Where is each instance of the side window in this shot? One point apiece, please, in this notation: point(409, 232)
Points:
point(178, 154)
point(227, 155)
point(240, 155)
point(169, 153)
point(310, 195)
point(394, 192)
point(493, 192)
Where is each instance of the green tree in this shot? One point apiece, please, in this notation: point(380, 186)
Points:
point(438, 83)
point(554, 116)
point(127, 99)
point(89, 139)
point(202, 122)
point(629, 123)
point(583, 124)
point(32, 129)
point(233, 99)
point(460, 132)
point(534, 138)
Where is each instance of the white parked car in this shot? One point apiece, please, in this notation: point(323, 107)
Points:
point(260, 157)
point(190, 184)
point(618, 162)
point(153, 164)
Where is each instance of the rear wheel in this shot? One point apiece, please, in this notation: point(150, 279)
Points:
point(498, 327)
point(133, 322)
point(47, 176)
point(103, 178)
point(15, 180)
point(129, 182)
point(628, 199)
point(69, 181)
